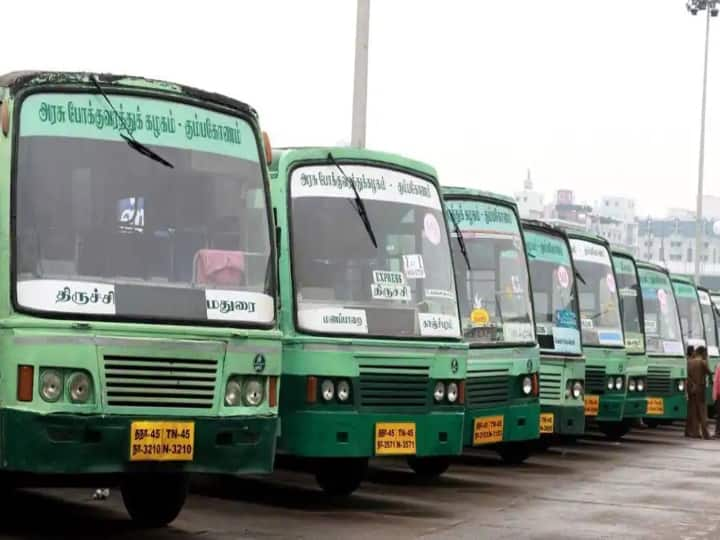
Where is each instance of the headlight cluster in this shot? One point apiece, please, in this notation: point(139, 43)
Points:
point(680, 385)
point(448, 392)
point(636, 384)
point(338, 390)
point(248, 391)
point(57, 384)
point(574, 389)
point(615, 383)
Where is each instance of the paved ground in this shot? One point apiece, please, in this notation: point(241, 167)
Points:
point(654, 484)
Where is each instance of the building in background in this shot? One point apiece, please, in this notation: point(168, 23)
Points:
point(530, 203)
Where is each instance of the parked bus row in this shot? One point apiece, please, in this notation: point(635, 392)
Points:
point(177, 297)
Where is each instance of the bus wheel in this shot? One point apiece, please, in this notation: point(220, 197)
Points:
point(339, 477)
point(429, 467)
point(514, 453)
point(154, 500)
point(651, 422)
point(614, 430)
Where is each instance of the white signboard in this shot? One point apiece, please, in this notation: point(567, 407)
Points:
point(582, 250)
point(334, 320)
point(232, 305)
point(67, 296)
point(438, 325)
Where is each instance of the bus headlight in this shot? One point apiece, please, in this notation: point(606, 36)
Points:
point(681, 385)
point(452, 392)
point(439, 392)
point(253, 392)
point(619, 383)
point(343, 391)
point(577, 390)
point(51, 385)
point(610, 383)
point(631, 385)
point(79, 387)
point(527, 385)
point(327, 390)
point(640, 385)
point(233, 393)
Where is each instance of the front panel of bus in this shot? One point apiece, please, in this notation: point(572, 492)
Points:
point(631, 307)
point(502, 403)
point(557, 320)
point(139, 305)
point(667, 367)
point(602, 332)
point(375, 363)
point(711, 338)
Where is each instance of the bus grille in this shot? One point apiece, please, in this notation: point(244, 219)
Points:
point(160, 382)
point(485, 387)
point(550, 385)
point(393, 386)
point(659, 382)
point(595, 379)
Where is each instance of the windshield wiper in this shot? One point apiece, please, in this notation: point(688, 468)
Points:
point(460, 239)
point(579, 276)
point(359, 206)
point(130, 138)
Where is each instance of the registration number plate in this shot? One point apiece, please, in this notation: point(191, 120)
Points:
point(488, 430)
point(592, 405)
point(547, 422)
point(655, 405)
point(162, 441)
point(395, 438)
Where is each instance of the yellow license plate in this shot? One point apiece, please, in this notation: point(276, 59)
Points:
point(162, 441)
point(547, 422)
point(488, 430)
point(592, 405)
point(655, 405)
point(395, 438)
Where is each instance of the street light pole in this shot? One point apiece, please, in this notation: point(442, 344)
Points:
point(362, 38)
point(710, 6)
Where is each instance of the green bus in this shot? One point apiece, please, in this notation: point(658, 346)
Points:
point(137, 287)
point(502, 407)
point(667, 368)
point(631, 309)
point(602, 332)
point(711, 339)
point(374, 361)
point(557, 323)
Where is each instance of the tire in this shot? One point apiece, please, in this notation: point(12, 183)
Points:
point(154, 500)
point(339, 477)
point(514, 453)
point(614, 431)
point(429, 467)
point(652, 423)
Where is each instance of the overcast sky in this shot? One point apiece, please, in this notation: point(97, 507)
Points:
point(601, 97)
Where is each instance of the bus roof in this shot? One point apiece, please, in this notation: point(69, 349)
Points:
point(283, 158)
point(682, 279)
point(581, 234)
point(647, 265)
point(543, 226)
point(622, 252)
point(19, 80)
point(459, 192)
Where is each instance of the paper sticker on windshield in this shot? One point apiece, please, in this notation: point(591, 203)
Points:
point(431, 228)
point(650, 325)
point(231, 305)
point(610, 279)
point(390, 292)
point(610, 337)
point(440, 293)
point(673, 347)
point(334, 320)
point(543, 329)
point(566, 340)
point(516, 284)
point(628, 292)
point(438, 325)
point(563, 277)
point(704, 298)
point(479, 317)
point(67, 296)
point(414, 267)
point(565, 318)
point(383, 277)
point(713, 350)
point(518, 332)
point(662, 300)
point(634, 342)
point(588, 324)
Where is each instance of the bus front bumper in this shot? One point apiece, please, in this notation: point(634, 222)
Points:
point(674, 407)
point(567, 419)
point(345, 434)
point(68, 444)
point(611, 408)
point(635, 406)
point(520, 422)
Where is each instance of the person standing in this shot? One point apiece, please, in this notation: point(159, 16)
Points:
point(698, 370)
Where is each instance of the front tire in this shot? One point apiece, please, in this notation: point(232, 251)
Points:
point(154, 500)
point(339, 477)
point(514, 453)
point(651, 423)
point(429, 467)
point(614, 431)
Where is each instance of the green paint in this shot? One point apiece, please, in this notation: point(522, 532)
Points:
point(483, 216)
point(623, 265)
point(683, 290)
point(548, 248)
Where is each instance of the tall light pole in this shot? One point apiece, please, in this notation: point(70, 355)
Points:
point(362, 38)
point(711, 8)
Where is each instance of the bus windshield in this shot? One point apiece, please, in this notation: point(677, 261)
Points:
point(599, 310)
point(706, 307)
point(691, 321)
point(102, 230)
point(494, 293)
point(344, 284)
point(662, 325)
point(554, 293)
point(630, 302)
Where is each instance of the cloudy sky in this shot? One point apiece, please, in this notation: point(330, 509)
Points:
point(600, 97)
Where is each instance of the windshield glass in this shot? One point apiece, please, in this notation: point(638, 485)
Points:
point(599, 310)
point(691, 321)
point(630, 302)
point(662, 324)
point(554, 293)
point(706, 307)
point(104, 230)
point(716, 300)
point(494, 294)
point(344, 284)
